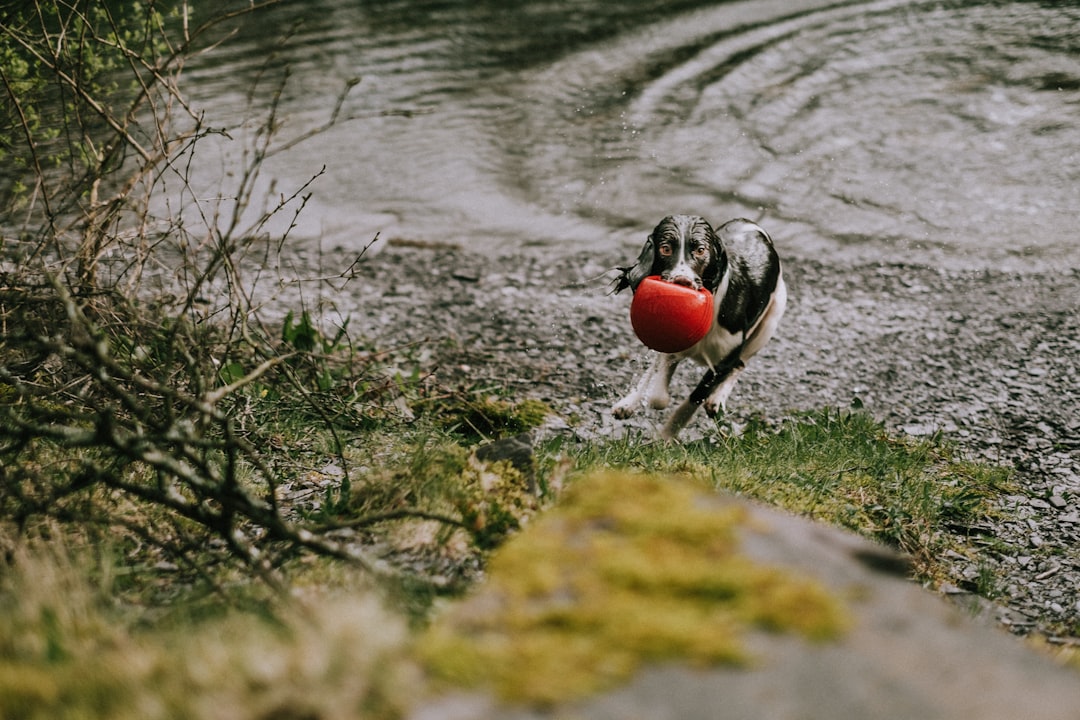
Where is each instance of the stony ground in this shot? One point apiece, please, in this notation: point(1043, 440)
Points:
point(990, 360)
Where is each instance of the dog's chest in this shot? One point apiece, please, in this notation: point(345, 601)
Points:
point(717, 345)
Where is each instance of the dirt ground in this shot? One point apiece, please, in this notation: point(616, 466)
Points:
point(989, 359)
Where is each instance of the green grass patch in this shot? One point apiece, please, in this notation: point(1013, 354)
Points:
point(840, 467)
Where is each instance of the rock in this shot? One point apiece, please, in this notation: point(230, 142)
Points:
point(907, 654)
point(517, 450)
point(468, 273)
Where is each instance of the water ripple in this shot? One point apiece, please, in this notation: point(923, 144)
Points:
point(931, 132)
point(887, 129)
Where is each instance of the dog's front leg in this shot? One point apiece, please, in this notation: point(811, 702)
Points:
point(712, 392)
point(653, 387)
point(717, 400)
point(678, 419)
point(659, 391)
point(714, 388)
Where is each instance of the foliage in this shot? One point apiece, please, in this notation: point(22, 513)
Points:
point(112, 421)
point(175, 419)
point(66, 653)
point(60, 68)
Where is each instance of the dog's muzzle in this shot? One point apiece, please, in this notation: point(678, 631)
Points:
point(684, 280)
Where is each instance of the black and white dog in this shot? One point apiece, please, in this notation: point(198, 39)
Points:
point(740, 266)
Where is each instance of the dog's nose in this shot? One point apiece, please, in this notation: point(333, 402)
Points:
point(683, 280)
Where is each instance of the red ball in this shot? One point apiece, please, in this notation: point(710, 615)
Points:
point(670, 318)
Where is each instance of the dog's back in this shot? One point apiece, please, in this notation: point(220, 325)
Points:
point(752, 276)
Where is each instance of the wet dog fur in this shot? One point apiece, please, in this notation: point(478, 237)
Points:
point(738, 264)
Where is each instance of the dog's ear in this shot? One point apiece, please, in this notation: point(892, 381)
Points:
point(714, 271)
point(632, 275)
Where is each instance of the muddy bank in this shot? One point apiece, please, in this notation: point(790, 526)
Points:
point(990, 359)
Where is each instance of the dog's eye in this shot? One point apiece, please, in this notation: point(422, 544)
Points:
point(701, 252)
point(665, 250)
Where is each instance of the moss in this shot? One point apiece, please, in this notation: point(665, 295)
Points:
point(24, 689)
point(628, 569)
point(494, 501)
point(481, 418)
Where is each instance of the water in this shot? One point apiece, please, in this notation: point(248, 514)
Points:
point(935, 132)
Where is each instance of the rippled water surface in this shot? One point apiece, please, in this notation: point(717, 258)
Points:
point(932, 132)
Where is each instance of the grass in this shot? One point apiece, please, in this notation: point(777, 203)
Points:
point(840, 467)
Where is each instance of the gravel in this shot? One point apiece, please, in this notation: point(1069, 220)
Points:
point(989, 359)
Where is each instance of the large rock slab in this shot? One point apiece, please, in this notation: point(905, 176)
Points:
point(906, 653)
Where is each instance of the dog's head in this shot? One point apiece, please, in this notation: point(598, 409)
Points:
point(683, 249)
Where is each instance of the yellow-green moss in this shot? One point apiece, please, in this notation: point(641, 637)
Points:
point(487, 417)
point(628, 569)
point(492, 499)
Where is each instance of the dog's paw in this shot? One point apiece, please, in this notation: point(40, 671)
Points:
point(625, 408)
point(714, 407)
point(716, 403)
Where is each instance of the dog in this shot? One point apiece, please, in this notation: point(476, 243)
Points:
point(739, 265)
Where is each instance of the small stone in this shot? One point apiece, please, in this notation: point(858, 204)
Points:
point(919, 429)
point(1035, 541)
point(466, 274)
point(1057, 501)
point(332, 469)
